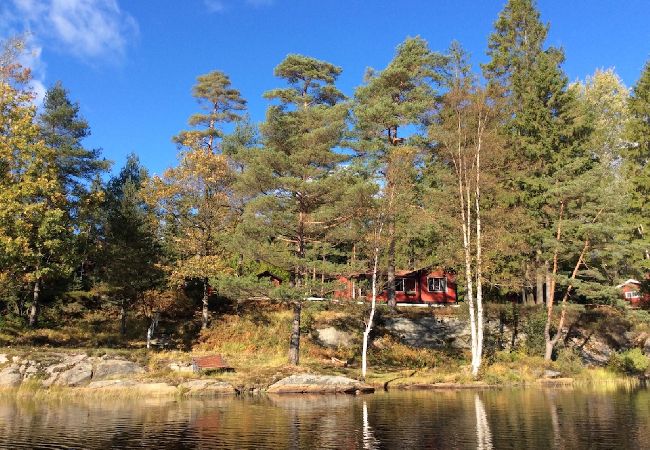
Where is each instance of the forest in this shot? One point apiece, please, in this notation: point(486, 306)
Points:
point(531, 189)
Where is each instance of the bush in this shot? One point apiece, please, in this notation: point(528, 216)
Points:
point(533, 328)
point(632, 362)
point(568, 362)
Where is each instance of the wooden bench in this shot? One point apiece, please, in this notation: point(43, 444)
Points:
point(211, 363)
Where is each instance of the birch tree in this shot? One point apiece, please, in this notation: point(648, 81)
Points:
point(373, 302)
point(461, 131)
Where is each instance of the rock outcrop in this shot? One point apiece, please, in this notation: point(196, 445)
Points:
point(431, 332)
point(334, 338)
point(207, 387)
point(318, 384)
point(115, 368)
point(10, 376)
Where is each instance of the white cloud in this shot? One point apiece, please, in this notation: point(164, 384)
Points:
point(89, 29)
point(219, 6)
point(31, 58)
point(214, 6)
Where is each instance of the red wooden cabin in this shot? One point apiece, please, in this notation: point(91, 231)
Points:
point(436, 286)
point(631, 292)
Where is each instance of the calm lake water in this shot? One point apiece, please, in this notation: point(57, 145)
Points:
point(509, 418)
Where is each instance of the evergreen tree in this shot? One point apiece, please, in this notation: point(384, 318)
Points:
point(636, 169)
point(131, 254)
point(63, 129)
point(542, 130)
point(196, 199)
point(297, 180)
point(400, 95)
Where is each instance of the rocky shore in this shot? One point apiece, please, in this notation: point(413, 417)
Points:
point(85, 374)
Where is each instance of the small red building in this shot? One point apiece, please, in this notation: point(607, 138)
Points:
point(424, 286)
point(631, 292)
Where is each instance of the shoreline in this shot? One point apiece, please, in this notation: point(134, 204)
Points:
point(132, 389)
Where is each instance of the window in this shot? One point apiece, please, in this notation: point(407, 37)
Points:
point(632, 294)
point(437, 284)
point(407, 285)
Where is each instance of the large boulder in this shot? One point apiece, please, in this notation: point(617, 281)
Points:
point(430, 332)
point(318, 384)
point(78, 375)
point(334, 338)
point(115, 368)
point(10, 376)
point(206, 387)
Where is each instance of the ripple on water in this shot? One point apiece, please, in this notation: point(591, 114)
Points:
point(515, 418)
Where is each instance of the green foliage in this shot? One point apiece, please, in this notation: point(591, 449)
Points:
point(533, 328)
point(130, 258)
point(568, 362)
point(636, 167)
point(632, 362)
point(221, 104)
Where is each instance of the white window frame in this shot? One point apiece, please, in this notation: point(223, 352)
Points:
point(431, 284)
point(632, 294)
point(399, 283)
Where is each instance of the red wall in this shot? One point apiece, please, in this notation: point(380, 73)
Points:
point(643, 300)
point(420, 295)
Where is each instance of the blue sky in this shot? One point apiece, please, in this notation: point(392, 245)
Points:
point(131, 63)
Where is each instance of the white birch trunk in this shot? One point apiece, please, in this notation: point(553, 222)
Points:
point(479, 282)
point(366, 333)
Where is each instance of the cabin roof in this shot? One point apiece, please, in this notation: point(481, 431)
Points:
point(628, 281)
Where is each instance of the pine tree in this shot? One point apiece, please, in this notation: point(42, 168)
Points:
point(400, 95)
point(63, 129)
point(296, 180)
point(195, 199)
point(131, 254)
point(636, 169)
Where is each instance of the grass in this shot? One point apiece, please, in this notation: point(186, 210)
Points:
point(254, 339)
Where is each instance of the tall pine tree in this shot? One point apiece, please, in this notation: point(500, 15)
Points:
point(297, 180)
point(398, 97)
point(636, 169)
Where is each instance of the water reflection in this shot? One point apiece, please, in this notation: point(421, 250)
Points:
point(483, 434)
point(524, 418)
point(369, 440)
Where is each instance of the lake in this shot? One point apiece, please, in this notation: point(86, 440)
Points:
point(522, 418)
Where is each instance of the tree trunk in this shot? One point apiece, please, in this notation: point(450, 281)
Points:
point(123, 317)
point(33, 312)
point(294, 344)
point(152, 328)
point(548, 282)
point(366, 333)
point(390, 272)
point(205, 312)
point(539, 278)
point(479, 266)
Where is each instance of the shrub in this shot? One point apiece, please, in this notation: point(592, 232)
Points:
point(533, 328)
point(633, 362)
point(568, 362)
